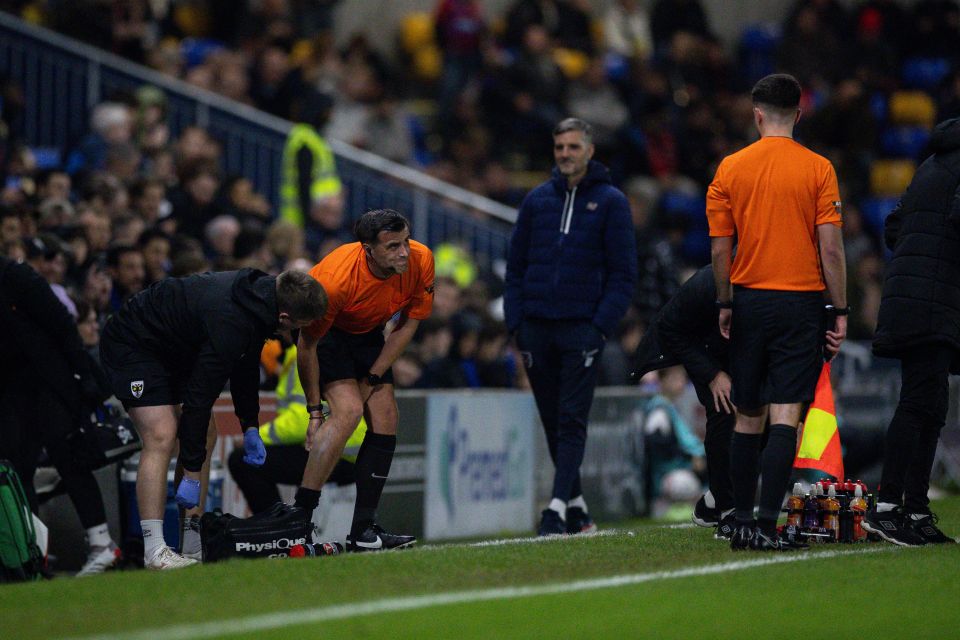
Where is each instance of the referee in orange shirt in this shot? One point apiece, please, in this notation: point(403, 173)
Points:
point(385, 275)
point(782, 203)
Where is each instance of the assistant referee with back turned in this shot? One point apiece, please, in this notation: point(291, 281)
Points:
point(782, 203)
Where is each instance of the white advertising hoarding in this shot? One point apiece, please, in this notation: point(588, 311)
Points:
point(480, 457)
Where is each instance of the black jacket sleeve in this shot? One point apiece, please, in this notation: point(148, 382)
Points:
point(685, 324)
point(245, 387)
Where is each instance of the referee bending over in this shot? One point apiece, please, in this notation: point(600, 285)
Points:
point(782, 203)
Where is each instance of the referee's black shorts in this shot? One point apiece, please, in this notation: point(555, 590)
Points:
point(349, 356)
point(776, 346)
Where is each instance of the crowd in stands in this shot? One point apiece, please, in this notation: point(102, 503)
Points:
point(470, 97)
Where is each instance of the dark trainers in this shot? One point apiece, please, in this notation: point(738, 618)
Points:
point(579, 521)
point(725, 527)
point(742, 535)
point(551, 524)
point(704, 516)
point(374, 538)
point(762, 542)
point(893, 527)
point(926, 525)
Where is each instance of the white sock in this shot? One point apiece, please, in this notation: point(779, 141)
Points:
point(578, 502)
point(560, 507)
point(153, 541)
point(885, 506)
point(191, 540)
point(709, 501)
point(99, 536)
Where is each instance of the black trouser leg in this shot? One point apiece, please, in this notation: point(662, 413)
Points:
point(915, 429)
point(284, 465)
point(716, 442)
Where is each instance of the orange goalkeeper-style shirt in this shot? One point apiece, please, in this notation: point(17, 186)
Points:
point(772, 195)
point(359, 302)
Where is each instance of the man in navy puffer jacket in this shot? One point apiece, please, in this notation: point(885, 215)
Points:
point(570, 277)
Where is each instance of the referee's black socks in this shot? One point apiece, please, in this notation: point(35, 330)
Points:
point(373, 467)
point(744, 469)
point(776, 467)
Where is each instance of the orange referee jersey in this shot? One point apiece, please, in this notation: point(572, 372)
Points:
point(359, 302)
point(772, 195)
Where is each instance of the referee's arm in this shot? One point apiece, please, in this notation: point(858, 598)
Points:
point(835, 277)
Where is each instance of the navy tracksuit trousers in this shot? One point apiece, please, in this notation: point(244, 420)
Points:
point(562, 359)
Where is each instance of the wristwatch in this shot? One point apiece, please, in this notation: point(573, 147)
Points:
point(373, 379)
point(724, 304)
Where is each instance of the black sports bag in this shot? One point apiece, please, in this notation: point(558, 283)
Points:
point(268, 534)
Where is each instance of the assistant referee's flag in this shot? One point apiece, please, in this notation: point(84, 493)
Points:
point(819, 442)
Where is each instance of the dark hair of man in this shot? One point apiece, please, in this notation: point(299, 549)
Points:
point(301, 296)
point(575, 124)
point(117, 251)
point(779, 91)
point(367, 229)
point(151, 234)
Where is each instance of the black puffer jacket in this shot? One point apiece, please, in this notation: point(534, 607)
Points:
point(921, 292)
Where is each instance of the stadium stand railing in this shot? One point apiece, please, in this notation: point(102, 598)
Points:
point(62, 79)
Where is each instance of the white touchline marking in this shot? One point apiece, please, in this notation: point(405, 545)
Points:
point(264, 622)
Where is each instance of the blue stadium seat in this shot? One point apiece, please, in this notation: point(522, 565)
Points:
point(904, 142)
point(47, 157)
point(757, 50)
point(925, 73)
point(879, 106)
point(692, 210)
point(196, 50)
point(875, 211)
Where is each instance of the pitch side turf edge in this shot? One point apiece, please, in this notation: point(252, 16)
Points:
point(264, 622)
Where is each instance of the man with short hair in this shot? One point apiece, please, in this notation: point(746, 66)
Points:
point(126, 269)
point(178, 343)
point(382, 277)
point(571, 271)
point(782, 203)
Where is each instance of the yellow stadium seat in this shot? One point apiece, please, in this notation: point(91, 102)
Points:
point(427, 62)
point(572, 63)
point(912, 107)
point(891, 177)
point(416, 32)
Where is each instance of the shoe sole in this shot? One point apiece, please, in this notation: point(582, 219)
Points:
point(354, 549)
point(871, 529)
point(700, 522)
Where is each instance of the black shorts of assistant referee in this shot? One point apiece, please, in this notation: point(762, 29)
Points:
point(776, 346)
point(349, 356)
point(139, 378)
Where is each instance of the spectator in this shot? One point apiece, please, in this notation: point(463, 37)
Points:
point(111, 124)
point(194, 203)
point(460, 31)
point(154, 244)
point(46, 256)
point(626, 30)
point(125, 267)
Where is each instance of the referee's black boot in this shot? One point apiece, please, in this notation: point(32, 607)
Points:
point(374, 538)
point(742, 535)
point(762, 542)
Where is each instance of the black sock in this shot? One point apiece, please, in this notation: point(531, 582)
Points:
point(775, 468)
point(373, 466)
point(306, 499)
point(744, 470)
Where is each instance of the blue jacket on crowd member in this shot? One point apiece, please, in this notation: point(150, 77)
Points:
point(573, 253)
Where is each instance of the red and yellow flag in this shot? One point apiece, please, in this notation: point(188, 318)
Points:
point(819, 442)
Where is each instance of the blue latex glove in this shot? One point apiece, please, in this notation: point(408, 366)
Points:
point(255, 454)
point(188, 493)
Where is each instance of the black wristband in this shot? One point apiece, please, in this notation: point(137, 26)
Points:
point(315, 408)
point(839, 311)
point(724, 304)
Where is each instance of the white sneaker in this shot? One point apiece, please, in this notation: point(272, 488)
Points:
point(100, 559)
point(167, 558)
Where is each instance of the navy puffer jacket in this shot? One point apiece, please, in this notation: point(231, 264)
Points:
point(573, 253)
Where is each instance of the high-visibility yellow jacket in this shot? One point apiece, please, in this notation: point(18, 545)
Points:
point(324, 182)
point(290, 425)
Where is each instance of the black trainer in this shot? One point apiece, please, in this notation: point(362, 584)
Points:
point(742, 535)
point(725, 527)
point(551, 524)
point(579, 521)
point(374, 538)
point(893, 527)
point(704, 516)
point(762, 542)
point(926, 525)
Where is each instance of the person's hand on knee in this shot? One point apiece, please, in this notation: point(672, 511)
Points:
point(255, 453)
